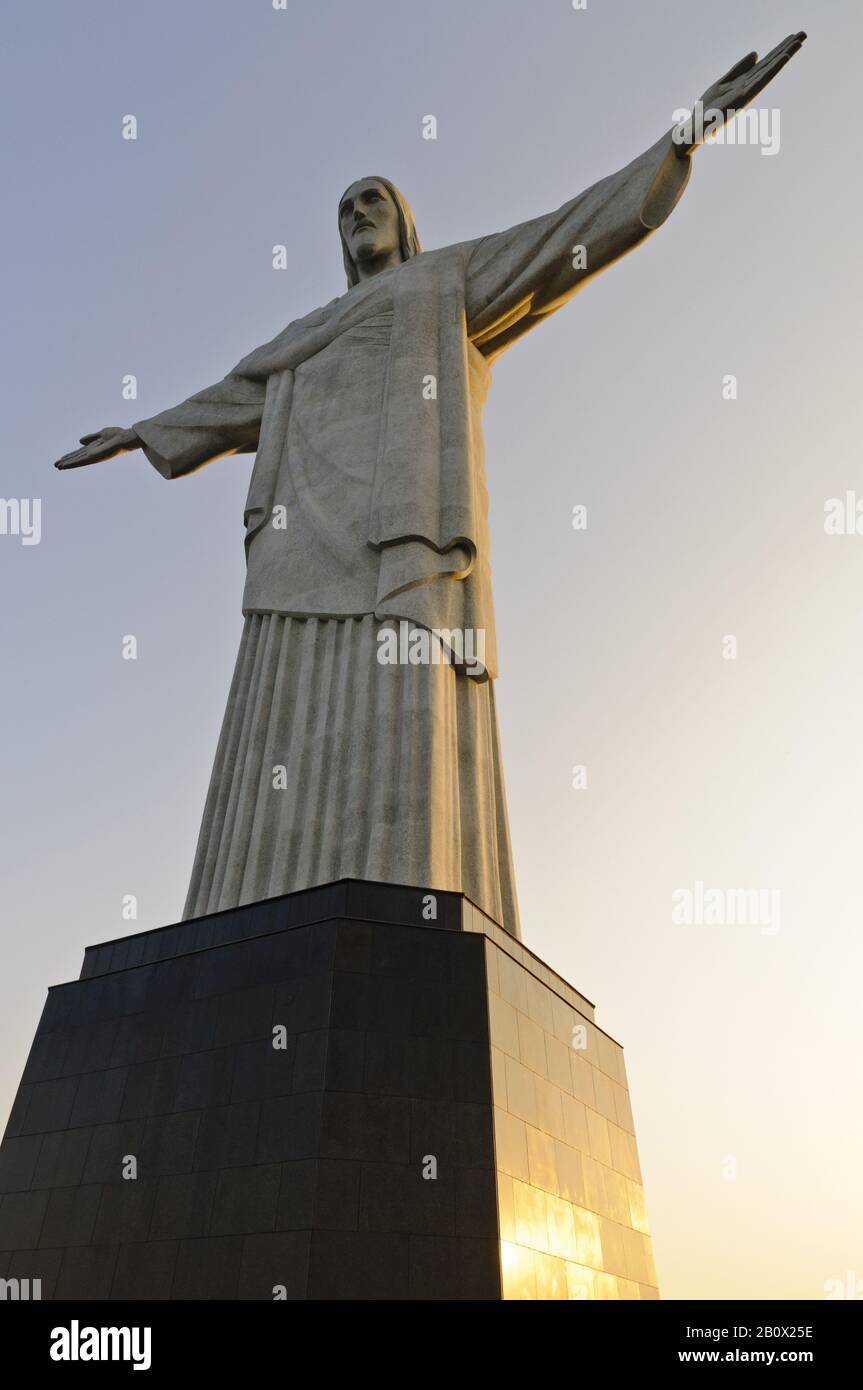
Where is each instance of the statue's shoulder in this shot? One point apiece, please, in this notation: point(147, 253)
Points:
point(260, 362)
point(316, 316)
point(437, 261)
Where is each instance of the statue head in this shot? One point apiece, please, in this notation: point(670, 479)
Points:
point(376, 226)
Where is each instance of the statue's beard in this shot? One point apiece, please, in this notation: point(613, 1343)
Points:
point(368, 251)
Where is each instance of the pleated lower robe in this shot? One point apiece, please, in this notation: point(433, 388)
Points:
point(331, 765)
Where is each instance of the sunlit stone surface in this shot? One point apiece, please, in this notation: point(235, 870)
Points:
point(571, 1207)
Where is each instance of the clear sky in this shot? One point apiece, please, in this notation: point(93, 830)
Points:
point(705, 520)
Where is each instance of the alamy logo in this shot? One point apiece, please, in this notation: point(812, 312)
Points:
point(21, 516)
point(726, 907)
point(423, 646)
point(849, 1287)
point(20, 1290)
point(77, 1343)
point(843, 516)
point(757, 126)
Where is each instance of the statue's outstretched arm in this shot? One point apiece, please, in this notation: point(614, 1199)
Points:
point(516, 278)
point(222, 419)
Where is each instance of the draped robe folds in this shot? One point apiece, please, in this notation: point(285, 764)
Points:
point(366, 419)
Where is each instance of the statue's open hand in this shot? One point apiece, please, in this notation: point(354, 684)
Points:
point(742, 83)
point(104, 444)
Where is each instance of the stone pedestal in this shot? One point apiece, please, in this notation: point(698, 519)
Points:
point(359, 1091)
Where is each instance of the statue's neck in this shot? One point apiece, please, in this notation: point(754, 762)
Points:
point(366, 270)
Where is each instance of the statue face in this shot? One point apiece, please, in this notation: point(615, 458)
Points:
point(369, 221)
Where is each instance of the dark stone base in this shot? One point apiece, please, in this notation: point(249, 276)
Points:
point(295, 1171)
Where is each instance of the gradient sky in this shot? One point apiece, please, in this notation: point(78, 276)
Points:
point(705, 518)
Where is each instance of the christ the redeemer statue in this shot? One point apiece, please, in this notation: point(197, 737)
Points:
point(367, 510)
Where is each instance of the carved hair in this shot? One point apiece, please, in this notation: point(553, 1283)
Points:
point(409, 242)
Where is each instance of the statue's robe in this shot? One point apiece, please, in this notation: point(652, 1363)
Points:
point(368, 506)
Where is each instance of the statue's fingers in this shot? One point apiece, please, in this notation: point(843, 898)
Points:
point(89, 438)
point(795, 41)
point(774, 52)
point(785, 49)
point(767, 70)
point(75, 459)
point(740, 68)
point(757, 83)
point(792, 45)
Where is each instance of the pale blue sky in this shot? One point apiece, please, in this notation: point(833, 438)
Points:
point(705, 518)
